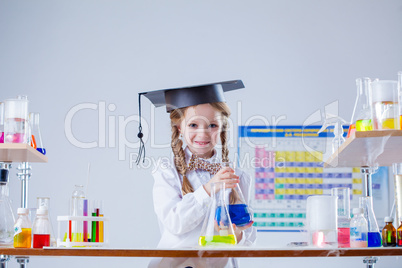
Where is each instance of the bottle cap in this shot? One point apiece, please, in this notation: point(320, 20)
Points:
point(42, 210)
point(388, 219)
point(358, 210)
point(21, 211)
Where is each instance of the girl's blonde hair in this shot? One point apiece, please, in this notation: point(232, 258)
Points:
point(176, 116)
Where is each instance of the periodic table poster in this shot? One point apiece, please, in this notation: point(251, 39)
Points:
point(287, 167)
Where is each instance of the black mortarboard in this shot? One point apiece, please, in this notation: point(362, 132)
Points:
point(175, 98)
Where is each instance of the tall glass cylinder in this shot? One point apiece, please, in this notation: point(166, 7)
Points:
point(400, 97)
point(16, 125)
point(397, 168)
point(343, 194)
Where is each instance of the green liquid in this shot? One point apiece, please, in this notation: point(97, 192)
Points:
point(217, 240)
point(364, 125)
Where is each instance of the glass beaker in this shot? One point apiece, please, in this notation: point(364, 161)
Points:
point(385, 106)
point(343, 194)
point(400, 97)
point(374, 235)
point(238, 209)
point(6, 213)
point(321, 221)
point(1, 122)
point(77, 209)
point(16, 120)
point(361, 116)
point(217, 229)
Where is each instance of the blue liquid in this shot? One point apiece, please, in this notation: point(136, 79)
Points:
point(41, 150)
point(374, 239)
point(238, 214)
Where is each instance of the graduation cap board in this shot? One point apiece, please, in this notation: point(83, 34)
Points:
point(176, 98)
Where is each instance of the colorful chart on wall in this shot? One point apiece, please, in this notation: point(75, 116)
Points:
point(286, 163)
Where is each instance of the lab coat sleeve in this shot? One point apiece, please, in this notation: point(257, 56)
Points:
point(178, 214)
point(249, 235)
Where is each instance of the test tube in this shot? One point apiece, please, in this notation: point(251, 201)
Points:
point(85, 222)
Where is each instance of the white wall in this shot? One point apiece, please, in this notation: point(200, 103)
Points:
point(293, 56)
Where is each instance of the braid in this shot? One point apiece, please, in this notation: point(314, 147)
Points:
point(180, 160)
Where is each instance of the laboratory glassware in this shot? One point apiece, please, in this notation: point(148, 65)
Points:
point(22, 229)
point(399, 234)
point(41, 229)
point(6, 213)
point(385, 106)
point(35, 135)
point(77, 209)
point(321, 221)
point(361, 116)
point(1, 122)
point(238, 209)
point(388, 233)
point(400, 97)
point(358, 229)
point(45, 202)
point(397, 170)
point(217, 229)
point(374, 236)
point(343, 194)
point(16, 125)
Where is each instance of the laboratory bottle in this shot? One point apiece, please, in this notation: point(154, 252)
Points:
point(374, 235)
point(1, 122)
point(388, 233)
point(238, 209)
point(77, 209)
point(35, 135)
point(16, 125)
point(399, 235)
point(343, 194)
point(217, 228)
point(22, 229)
point(358, 229)
point(41, 229)
point(6, 213)
point(361, 116)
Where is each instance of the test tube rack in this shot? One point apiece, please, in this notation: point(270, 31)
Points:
point(61, 242)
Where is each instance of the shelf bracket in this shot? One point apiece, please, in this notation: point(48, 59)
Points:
point(24, 175)
point(370, 261)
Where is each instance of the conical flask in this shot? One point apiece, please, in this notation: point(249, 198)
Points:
point(238, 209)
point(6, 213)
point(374, 235)
point(361, 117)
point(217, 229)
point(35, 136)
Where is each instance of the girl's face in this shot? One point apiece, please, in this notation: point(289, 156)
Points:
point(200, 128)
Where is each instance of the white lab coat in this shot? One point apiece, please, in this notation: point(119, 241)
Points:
point(181, 217)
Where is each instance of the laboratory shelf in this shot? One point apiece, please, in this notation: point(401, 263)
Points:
point(368, 148)
point(20, 152)
point(241, 252)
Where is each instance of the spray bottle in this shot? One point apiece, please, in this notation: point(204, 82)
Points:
point(337, 122)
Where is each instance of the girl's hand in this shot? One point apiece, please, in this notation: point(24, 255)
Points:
point(225, 175)
point(238, 230)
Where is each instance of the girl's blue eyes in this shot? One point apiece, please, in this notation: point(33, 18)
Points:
point(195, 125)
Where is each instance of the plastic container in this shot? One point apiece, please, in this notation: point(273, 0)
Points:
point(16, 126)
point(22, 229)
point(321, 221)
point(358, 229)
point(41, 229)
point(343, 194)
point(388, 233)
point(385, 104)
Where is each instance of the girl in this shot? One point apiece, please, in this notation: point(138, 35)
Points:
point(182, 191)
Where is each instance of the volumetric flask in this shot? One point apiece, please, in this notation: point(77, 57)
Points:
point(217, 229)
point(321, 221)
point(374, 236)
point(238, 209)
point(384, 101)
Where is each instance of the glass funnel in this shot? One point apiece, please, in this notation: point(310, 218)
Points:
point(374, 235)
point(217, 229)
point(6, 213)
point(361, 116)
point(238, 209)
